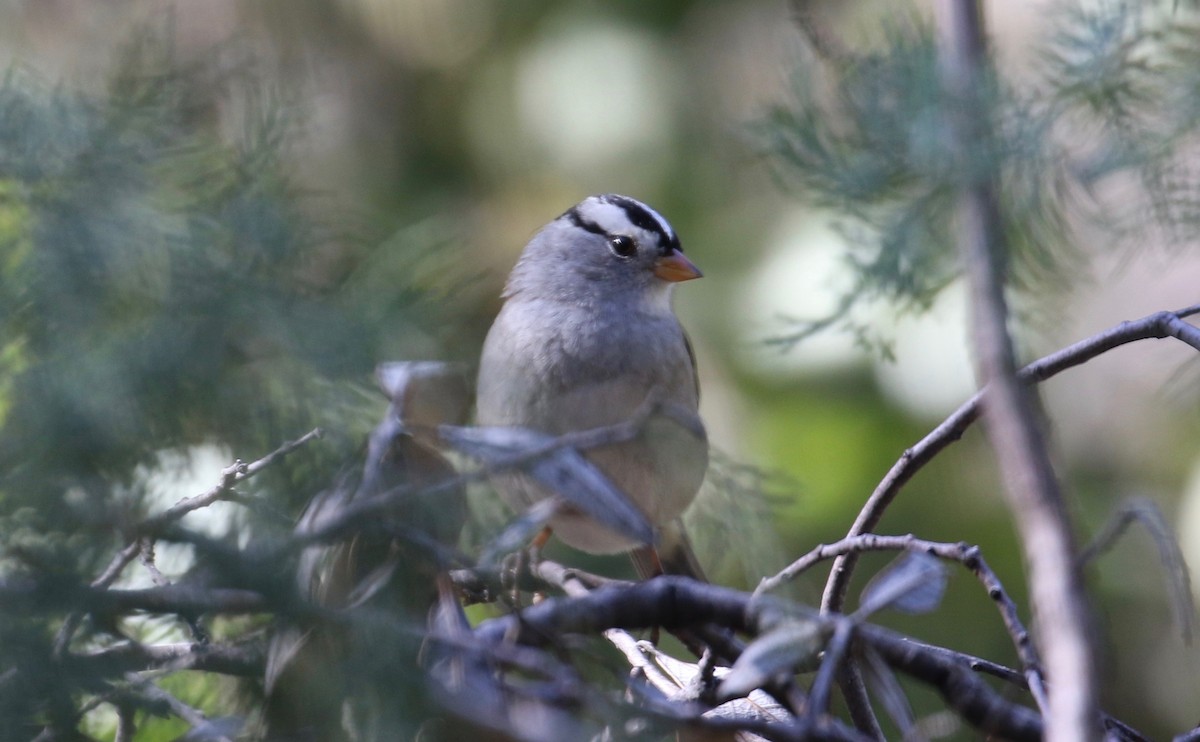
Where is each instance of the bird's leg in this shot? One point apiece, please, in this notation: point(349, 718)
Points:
point(540, 540)
point(646, 562)
point(647, 565)
point(534, 552)
point(517, 565)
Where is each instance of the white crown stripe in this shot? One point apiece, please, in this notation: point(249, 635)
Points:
point(619, 215)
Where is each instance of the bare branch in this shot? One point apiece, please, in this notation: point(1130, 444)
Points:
point(28, 596)
point(1034, 495)
point(968, 556)
point(678, 602)
point(231, 476)
point(963, 691)
point(244, 660)
point(1159, 325)
point(1152, 327)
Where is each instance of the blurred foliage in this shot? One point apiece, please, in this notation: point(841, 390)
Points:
point(166, 283)
point(1112, 101)
point(160, 290)
point(163, 286)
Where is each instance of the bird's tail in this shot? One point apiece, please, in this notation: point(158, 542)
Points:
point(673, 555)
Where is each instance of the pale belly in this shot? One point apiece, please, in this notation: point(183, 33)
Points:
point(660, 471)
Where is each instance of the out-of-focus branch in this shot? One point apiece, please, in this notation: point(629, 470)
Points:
point(194, 717)
point(149, 527)
point(243, 660)
point(1192, 736)
point(1179, 583)
point(237, 472)
point(1056, 585)
point(126, 729)
point(364, 513)
point(823, 40)
point(29, 596)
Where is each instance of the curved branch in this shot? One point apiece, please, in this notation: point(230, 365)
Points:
point(677, 602)
point(1152, 327)
point(968, 556)
point(1179, 584)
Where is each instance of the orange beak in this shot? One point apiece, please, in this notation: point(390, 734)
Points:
point(676, 267)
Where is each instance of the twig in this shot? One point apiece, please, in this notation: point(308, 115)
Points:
point(822, 687)
point(146, 555)
point(236, 473)
point(1179, 584)
point(1152, 327)
point(118, 564)
point(964, 554)
point(193, 717)
point(854, 693)
point(230, 476)
point(356, 514)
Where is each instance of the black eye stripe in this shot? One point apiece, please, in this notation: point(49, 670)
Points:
point(637, 214)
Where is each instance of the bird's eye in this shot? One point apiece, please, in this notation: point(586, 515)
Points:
point(622, 246)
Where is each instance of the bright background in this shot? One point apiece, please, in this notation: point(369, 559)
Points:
point(464, 125)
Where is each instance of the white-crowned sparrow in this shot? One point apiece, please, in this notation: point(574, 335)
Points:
point(587, 338)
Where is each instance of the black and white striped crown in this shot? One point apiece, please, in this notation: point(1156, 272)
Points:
point(612, 214)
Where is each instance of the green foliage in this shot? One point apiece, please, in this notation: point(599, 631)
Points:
point(161, 287)
point(1112, 102)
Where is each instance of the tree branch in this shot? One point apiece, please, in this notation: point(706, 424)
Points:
point(1056, 585)
point(1152, 327)
point(243, 660)
point(969, 557)
point(152, 525)
point(30, 596)
point(676, 602)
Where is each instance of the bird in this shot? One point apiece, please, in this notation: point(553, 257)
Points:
point(587, 337)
